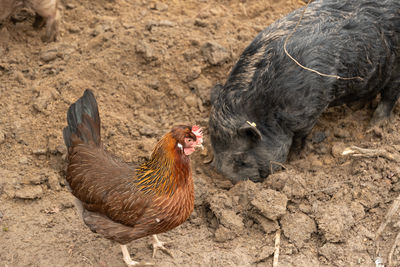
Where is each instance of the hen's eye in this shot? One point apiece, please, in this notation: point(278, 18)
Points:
point(190, 140)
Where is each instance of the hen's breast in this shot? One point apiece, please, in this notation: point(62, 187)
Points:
point(167, 213)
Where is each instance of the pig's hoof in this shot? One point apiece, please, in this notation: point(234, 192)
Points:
point(48, 39)
point(39, 22)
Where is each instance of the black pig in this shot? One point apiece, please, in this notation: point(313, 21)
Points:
point(268, 101)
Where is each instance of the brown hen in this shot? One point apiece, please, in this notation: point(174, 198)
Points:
point(118, 201)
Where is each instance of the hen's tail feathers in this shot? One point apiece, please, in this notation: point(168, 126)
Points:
point(83, 121)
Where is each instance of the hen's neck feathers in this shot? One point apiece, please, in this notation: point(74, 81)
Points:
point(167, 169)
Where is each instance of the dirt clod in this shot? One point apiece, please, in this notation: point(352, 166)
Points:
point(271, 203)
point(334, 220)
point(214, 53)
point(29, 192)
point(298, 227)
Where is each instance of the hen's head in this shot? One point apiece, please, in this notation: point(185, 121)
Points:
point(188, 138)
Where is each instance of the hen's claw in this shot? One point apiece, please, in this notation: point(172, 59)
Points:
point(129, 261)
point(160, 245)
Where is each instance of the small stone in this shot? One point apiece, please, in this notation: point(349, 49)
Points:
point(161, 6)
point(2, 137)
point(39, 151)
point(337, 150)
point(146, 131)
point(316, 163)
point(61, 149)
point(377, 131)
point(154, 84)
point(146, 51)
point(97, 30)
point(29, 192)
point(24, 160)
point(214, 53)
point(341, 133)
point(21, 133)
point(19, 77)
point(217, 11)
point(73, 29)
point(128, 25)
point(70, 6)
point(193, 74)
point(162, 23)
point(53, 182)
point(191, 101)
point(200, 23)
point(195, 42)
point(67, 205)
point(43, 100)
point(48, 55)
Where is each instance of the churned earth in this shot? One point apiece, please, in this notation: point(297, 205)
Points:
point(151, 65)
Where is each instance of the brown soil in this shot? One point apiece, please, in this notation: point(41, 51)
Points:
point(151, 65)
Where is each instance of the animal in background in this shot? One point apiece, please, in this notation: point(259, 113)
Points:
point(118, 201)
point(46, 12)
point(269, 103)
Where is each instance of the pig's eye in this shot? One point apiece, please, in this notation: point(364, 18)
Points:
point(239, 159)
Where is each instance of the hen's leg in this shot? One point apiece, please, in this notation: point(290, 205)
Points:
point(159, 245)
point(128, 260)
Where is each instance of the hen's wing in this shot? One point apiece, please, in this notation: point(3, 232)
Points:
point(105, 185)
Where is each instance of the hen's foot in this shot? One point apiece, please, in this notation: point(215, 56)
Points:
point(160, 245)
point(129, 261)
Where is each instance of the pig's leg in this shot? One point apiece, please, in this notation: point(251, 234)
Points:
point(51, 28)
point(48, 10)
point(389, 96)
point(39, 21)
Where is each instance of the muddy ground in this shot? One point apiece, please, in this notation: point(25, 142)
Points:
point(151, 65)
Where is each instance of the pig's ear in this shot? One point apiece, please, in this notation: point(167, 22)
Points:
point(250, 130)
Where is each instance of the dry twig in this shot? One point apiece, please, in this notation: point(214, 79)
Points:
point(392, 210)
point(276, 163)
point(396, 243)
point(277, 246)
point(355, 151)
point(309, 69)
